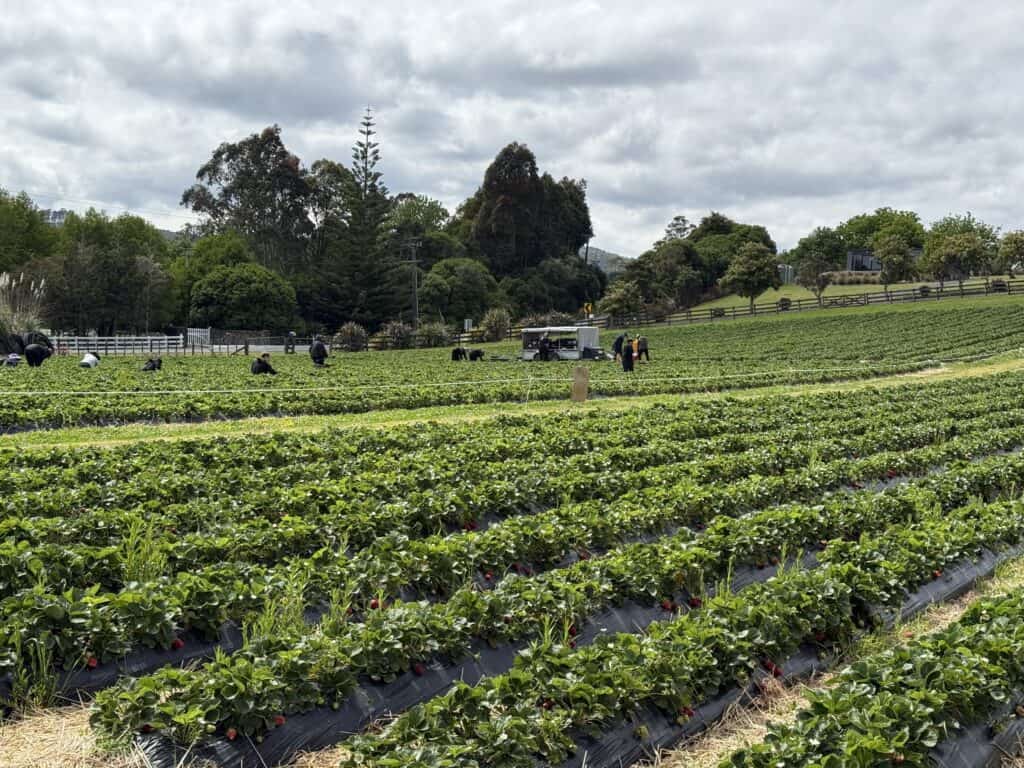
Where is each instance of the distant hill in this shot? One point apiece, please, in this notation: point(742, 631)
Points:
point(610, 263)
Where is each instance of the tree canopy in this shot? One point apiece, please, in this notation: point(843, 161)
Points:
point(753, 270)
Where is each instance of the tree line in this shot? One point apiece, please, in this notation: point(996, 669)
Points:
point(691, 263)
point(281, 245)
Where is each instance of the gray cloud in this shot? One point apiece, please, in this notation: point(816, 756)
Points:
point(792, 114)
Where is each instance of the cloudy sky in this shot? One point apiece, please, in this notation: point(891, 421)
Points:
point(788, 114)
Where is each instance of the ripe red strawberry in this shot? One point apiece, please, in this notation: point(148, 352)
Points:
point(489, 576)
point(892, 473)
point(759, 565)
point(374, 604)
point(177, 644)
point(279, 720)
point(418, 669)
point(572, 643)
point(936, 574)
point(772, 667)
point(583, 554)
point(572, 631)
point(92, 662)
point(686, 711)
point(774, 561)
point(516, 567)
point(146, 728)
point(548, 704)
point(696, 602)
point(231, 733)
point(819, 637)
point(666, 605)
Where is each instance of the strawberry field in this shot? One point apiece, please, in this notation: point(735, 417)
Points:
point(781, 349)
point(573, 589)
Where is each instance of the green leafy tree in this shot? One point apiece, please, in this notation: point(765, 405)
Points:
point(107, 275)
point(368, 290)
point(330, 184)
point(455, 289)
point(717, 240)
point(858, 231)
point(955, 256)
point(416, 215)
point(753, 270)
point(24, 234)
point(893, 252)
point(623, 298)
point(520, 218)
point(198, 259)
point(259, 188)
point(815, 272)
point(824, 246)
point(679, 228)
point(243, 296)
point(1011, 252)
point(669, 273)
point(961, 245)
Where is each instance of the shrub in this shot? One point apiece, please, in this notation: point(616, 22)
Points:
point(541, 320)
point(433, 334)
point(397, 335)
point(351, 337)
point(495, 324)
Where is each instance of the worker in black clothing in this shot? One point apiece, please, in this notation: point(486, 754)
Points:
point(318, 352)
point(627, 356)
point(262, 365)
point(617, 345)
point(36, 354)
point(153, 364)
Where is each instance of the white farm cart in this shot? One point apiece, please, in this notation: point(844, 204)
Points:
point(561, 343)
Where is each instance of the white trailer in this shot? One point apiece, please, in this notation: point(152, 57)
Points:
point(568, 342)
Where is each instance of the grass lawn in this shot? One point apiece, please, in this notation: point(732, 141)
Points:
point(795, 292)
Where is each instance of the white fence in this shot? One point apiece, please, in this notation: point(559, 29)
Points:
point(120, 345)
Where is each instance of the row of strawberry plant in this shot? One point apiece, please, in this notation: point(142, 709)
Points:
point(556, 693)
point(393, 638)
point(774, 350)
point(208, 468)
point(894, 707)
point(80, 624)
point(26, 560)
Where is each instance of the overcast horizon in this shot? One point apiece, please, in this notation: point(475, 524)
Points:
point(790, 115)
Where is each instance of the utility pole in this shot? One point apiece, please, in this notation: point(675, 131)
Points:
point(413, 246)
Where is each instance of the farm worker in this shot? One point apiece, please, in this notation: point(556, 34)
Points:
point(641, 348)
point(12, 360)
point(90, 360)
point(617, 345)
point(627, 357)
point(262, 365)
point(318, 352)
point(544, 347)
point(36, 354)
point(153, 364)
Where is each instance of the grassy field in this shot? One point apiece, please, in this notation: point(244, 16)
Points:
point(346, 535)
point(796, 292)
